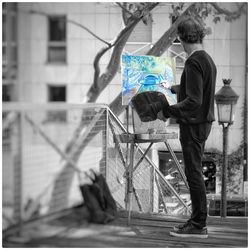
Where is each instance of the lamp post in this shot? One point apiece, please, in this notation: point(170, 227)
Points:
point(226, 100)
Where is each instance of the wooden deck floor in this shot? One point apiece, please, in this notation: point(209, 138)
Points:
point(145, 230)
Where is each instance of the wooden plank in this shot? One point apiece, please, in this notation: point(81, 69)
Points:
point(146, 138)
point(145, 230)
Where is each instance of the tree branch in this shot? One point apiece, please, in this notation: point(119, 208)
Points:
point(233, 14)
point(125, 9)
point(73, 22)
point(94, 88)
point(89, 31)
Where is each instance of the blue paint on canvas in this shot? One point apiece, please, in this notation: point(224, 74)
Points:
point(147, 73)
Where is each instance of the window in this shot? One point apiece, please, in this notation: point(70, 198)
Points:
point(57, 94)
point(57, 39)
point(7, 92)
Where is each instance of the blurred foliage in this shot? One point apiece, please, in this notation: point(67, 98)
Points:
point(235, 161)
point(204, 10)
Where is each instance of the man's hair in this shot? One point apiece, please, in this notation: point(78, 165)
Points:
point(190, 31)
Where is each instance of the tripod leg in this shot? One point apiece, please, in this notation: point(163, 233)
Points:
point(130, 181)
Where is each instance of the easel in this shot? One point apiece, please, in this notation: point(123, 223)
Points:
point(135, 138)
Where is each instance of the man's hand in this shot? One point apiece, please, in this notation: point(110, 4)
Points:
point(175, 89)
point(160, 116)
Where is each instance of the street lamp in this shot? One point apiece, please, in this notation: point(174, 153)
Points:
point(226, 100)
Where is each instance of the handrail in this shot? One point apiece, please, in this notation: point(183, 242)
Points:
point(21, 106)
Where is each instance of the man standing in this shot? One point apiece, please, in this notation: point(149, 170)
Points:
point(194, 113)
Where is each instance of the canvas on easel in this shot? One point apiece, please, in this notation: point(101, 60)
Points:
point(147, 74)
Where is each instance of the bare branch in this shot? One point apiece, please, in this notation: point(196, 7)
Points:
point(94, 88)
point(85, 28)
point(125, 9)
point(231, 14)
point(73, 22)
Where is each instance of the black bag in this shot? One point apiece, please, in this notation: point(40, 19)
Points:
point(144, 104)
point(99, 201)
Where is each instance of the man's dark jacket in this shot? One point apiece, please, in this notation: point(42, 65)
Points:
point(196, 94)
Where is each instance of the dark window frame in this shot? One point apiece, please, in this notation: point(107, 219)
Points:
point(58, 42)
point(55, 116)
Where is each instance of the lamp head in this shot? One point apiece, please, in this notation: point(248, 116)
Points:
point(226, 100)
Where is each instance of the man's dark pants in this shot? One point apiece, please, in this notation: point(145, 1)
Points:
point(193, 138)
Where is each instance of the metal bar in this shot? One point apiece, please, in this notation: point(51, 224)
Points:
point(177, 163)
point(178, 54)
point(106, 144)
point(161, 194)
point(143, 156)
point(18, 168)
point(130, 181)
point(133, 120)
point(117, 144)
point(137, 50)
point(152, 188)
point(223, 210)
point(127, 117)
point(21, 106)
point(137, 200)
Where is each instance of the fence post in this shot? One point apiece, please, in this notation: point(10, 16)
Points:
point(17, 144)
point(152, 178)
point(107, 142)
point(104, 164)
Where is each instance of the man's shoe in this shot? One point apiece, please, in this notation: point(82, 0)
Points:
point(180, 226)
point(188, 230)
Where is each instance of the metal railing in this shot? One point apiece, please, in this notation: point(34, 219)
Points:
point(46, 146)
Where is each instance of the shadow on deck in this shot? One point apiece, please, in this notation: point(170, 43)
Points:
point(146, 230)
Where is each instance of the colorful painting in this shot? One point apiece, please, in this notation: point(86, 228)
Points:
point(147, 73)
